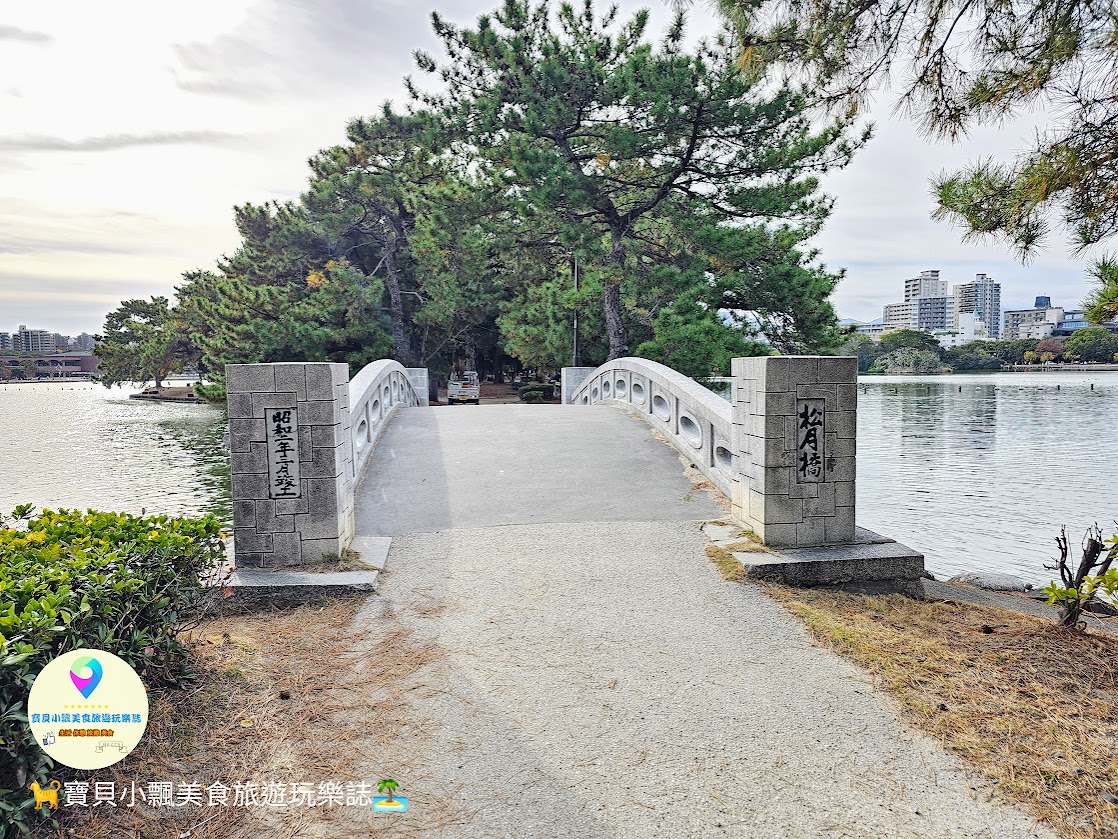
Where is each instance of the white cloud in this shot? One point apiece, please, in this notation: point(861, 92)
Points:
point(131, 131)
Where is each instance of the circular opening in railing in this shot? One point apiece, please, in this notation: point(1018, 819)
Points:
point(605, 388)
point(586, 400)
point(385, 394)
point(395, 391)
point(690, 430)
point(723, 459)
point(374, 411)
point(620, 388)
point(638, 392)
point(594, 394)
point(362, 434)
point(660, 407)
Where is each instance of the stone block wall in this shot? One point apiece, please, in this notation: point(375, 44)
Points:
point(420, 381)
point(292, 498)
point(794, 428)
point(571, 379)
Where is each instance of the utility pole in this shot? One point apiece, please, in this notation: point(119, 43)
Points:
point(575, 349)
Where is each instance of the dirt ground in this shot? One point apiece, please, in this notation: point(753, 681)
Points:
point(1032, 706)
point(494, 394)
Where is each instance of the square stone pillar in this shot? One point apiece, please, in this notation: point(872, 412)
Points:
point(570, 378)
point(794, 426)
point(290, 448)
point(420, 382)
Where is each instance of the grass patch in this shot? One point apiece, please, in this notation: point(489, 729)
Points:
point(1032, 706)
point(262, 680)
point(724, 561)
point(300, 695)
point(349, 560)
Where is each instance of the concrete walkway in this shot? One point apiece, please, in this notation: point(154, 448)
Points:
point(470, 466)
point(572, 665)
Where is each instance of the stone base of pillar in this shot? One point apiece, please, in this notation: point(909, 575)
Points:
point(871, 564)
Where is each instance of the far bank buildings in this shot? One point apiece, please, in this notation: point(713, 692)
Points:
point(972, 312)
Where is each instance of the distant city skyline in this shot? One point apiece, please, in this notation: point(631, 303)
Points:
point(129, 138)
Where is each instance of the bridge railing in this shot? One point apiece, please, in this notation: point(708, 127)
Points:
point(300, 435)
point(782, 449)
point(375, 395)
point(695, 420)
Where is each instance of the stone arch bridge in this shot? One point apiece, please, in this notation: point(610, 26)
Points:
point(321, 463)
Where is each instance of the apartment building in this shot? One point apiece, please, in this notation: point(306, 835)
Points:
point(927, 284)
point(926, 305)
point(32, 340)
point(981, 298)
point(1037, 322)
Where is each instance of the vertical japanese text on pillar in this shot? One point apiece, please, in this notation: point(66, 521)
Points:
point(282, 426)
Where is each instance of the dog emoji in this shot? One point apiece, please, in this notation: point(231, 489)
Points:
point(46, 796)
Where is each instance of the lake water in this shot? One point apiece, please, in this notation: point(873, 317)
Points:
point(979, 471)
point(81, 445)
point(976, 471)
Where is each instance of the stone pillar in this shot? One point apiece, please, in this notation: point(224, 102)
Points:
point(419, 381)
point(570, 380)
point(292, 462)
point(794, 425)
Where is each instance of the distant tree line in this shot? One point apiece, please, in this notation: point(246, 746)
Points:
point(684, 190)
point(910, 350)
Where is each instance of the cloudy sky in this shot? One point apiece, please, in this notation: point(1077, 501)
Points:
point(129, 130)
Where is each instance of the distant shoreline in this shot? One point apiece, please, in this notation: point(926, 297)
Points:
point(46, 381)
point(1016, 368)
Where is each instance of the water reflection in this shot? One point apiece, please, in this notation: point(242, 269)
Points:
point(80, 445)
point(977, 471)
point(980, 471)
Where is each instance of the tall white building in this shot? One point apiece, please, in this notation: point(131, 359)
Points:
point(928, 284)
point(983, 299)
point(32, 340)
point(926, 305)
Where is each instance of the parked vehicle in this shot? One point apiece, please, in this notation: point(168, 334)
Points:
point(465, 389)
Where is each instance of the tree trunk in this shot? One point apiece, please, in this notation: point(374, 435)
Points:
point(611, 299)
point(469, 354)
point(396, 305)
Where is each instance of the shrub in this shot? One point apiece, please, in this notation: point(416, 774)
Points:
point(545, 391)
point(907, 360)
point(531, 396)
point(112, 581)
point(1078, 587)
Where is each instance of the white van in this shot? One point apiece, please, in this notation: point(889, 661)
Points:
point(466, 389)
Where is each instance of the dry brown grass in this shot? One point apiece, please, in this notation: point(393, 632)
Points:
point(1031, 706)
point(349, 560)
point(232, 724)
point(349, 711)
point(724, 561)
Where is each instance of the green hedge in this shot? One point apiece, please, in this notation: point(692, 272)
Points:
point(111, 581)
point(545, 391)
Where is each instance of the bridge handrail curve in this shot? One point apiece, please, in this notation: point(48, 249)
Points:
point(375, 395)
point(696, 421)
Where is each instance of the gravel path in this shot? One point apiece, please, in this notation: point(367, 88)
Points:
point(602, 680)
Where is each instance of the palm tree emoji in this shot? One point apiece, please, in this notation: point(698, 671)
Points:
point(387, 785)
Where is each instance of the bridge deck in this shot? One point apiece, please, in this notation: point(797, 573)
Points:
point(551, 654)
point(484, 466)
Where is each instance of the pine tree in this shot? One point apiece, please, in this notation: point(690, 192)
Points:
point(962, 64)
point(587, 124)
